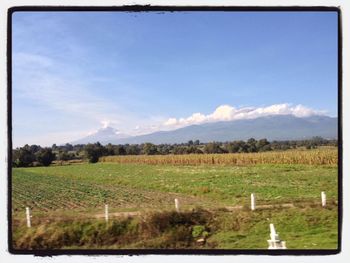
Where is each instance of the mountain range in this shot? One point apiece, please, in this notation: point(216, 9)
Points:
point(274, 127)
point(103, 135)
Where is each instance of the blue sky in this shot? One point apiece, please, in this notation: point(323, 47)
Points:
point(74, 72)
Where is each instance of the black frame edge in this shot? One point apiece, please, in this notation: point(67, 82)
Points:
point(172, 8)
point(340, 130)
point(9, 130)
point(166, 8)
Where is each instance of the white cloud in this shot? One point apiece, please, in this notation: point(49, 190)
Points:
point(171, 122)
point(229, 113)
point(40, 79)
point(106, 123)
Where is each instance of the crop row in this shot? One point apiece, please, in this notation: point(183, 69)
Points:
point(309, 157)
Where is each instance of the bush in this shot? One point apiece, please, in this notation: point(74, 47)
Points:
point(45, 156)
point(23, 157)
point(197, 230)
point(93, 152)
point(158, 230)
point(149, 149)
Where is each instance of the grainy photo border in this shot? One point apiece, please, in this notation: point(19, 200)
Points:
point(154, 8)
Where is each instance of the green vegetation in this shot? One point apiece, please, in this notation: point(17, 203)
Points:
point(309, 228)
point(45, 156)
point(151, 186)
point(35, 155)
point(93, 152)
point(67, 204)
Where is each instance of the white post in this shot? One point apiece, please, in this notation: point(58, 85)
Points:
point(274, 241)
point(177, 205)
point(106, 213)
point(252, 202)
point(28, 217)
point(273, 233)
point(323, 199)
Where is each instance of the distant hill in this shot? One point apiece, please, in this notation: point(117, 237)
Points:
point(281, 127)
point(102, 135)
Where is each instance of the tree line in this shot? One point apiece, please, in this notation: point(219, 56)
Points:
point(35, 155)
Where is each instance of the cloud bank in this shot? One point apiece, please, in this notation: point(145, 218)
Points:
point(229, 113)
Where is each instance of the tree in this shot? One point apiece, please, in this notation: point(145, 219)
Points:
point(109, 149)
point(15, 158)
point(243, 147)
point(266, 148)
point(93, 151)
point(213, 147)
point(180, 150)
point(261, 144)
point(68, 147)
point(23, 157)
point(119, 150)
point(34, 148)
point(232, 147)
point(45, 156)
point(164, 149)
point(315, 141)
point(285, 147)
point(149, 149)
point(65, 156)
point(193, 149)
point(251, 145)
point(132, 149)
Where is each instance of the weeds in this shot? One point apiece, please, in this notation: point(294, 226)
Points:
point(174, 229)
point(308, 228)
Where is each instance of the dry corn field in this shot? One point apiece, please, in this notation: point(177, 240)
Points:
point(310, 157)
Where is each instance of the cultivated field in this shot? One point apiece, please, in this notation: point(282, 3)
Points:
point(326, 155)
point(214, 202)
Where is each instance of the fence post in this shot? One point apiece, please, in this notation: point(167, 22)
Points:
point(273, 234)
point(106, 213)
point(323, 199)
point(177, 205)
point(252, 202)
point(274, 241)
point(28, 217)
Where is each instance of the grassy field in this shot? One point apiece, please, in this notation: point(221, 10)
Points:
point(151, 186)
point(308, 228)
point(60, 195)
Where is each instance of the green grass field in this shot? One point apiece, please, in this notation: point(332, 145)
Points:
point(79, 192)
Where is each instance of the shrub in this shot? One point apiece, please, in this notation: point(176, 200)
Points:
point(197, 230)
point(93, 152)
point(45, 156)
